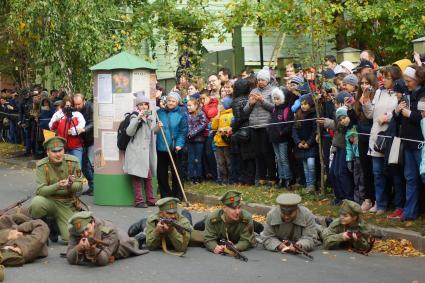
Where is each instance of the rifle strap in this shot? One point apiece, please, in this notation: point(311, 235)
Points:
point(46, 172)
point(165, 250)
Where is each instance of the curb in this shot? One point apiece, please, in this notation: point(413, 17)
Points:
point(416, 238)
point(31, 164)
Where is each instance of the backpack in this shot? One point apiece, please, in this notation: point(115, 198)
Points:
point(122, 138)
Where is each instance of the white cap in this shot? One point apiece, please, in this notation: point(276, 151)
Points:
point(348, 65)
point(410, 72)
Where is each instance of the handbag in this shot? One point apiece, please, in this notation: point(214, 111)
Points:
point(396, 152)
point(381, 142)
point(242, 135)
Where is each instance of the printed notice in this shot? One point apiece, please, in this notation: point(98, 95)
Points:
point(141, 82)
point(106, 110)
point(104, 88)
point(95, 118)
point(123, 103)
point(109, 146)
point(106, 123)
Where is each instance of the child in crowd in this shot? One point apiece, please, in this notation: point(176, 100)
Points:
point(350, 84)
point(353, 164)
point(197, 123)
point(280, 136)
point(304, 136)
point(210, 108)
point(222, 124)
point(339, 174)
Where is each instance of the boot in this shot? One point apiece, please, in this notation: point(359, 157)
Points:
point(137, 227)
point(141, 239)
point(54, 230)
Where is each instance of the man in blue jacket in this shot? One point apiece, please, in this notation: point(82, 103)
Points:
point(174, 124)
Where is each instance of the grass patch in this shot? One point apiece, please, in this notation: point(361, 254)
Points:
point(9, 150)
point(319, 204)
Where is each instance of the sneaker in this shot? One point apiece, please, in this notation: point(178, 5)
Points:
point(380, 212)
point(141, 205)
point(396, 214)
point(373, 208)
point(366, 205)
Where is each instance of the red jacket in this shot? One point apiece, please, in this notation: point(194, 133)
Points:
point(62, 127)
point(210, 110)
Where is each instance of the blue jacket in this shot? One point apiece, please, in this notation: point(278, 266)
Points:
point(175, 129)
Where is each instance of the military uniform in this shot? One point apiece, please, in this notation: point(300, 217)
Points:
point(32, 243)
point(117, 244)
point(52, 200)
point(1, 269)
point(240, 233)
point(174, 239)
point(333, 235)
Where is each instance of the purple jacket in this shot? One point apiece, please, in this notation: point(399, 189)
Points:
point(196, 127)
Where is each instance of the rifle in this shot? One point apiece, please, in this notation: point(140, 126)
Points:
point(16, 204)
point(93, 241)
point(368, 237)
point(175, 224)
point(298, 249)
point(229, 245)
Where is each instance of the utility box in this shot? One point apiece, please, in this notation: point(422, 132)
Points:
point(115, 84)
point(419, 45)
point(348, 54)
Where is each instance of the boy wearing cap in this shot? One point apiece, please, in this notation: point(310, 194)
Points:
point(58, 178)
point(289, 221)
point(345, 232)
point(97, 241)
point(230, 223)
point(22, 239)
point(160, 234)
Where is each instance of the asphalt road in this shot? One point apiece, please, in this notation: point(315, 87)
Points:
point(198, 265)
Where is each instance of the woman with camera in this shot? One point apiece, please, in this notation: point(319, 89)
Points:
point(65, 123)
point(140, 154)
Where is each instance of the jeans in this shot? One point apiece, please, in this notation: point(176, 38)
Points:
point(13, 133)
point(27, 140)
point(380, 182)
point(195, 151)
point(87, 165)
point(412, 160)
point(77, 152)
point(236, 168)
point(309, 165)
point(210, 165)
point(281, 152)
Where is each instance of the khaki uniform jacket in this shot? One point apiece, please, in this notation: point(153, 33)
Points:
point(48, 175)
point(120, 245)
point(333, 239)
point(302, 230)
point(174, 239)
point(33, 242)
point(240, 233)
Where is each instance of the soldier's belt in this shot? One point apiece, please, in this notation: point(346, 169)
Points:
point(63, 198)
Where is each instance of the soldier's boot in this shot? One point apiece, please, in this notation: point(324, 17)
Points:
point(141, 239)
point(137, 227)
point(54, 230)
point(258, 227)
point(200, 225)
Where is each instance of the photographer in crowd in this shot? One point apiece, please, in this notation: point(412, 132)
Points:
point(67, 122)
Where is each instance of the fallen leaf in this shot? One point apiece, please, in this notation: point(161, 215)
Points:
point(284, 259)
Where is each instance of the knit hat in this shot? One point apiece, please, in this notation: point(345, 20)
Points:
point(264, 74)
point(347, 64)
point(341, 111)
point(297, 80)
point(141, 99)
point(307, 98)
point(174, 95)
point(328, 74)
point(341, 96)
point(351, 80)
point(227, 102)
point(403, 64)
point(278, 93)
point(196, 95)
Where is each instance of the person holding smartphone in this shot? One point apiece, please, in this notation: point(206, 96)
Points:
point(140, 154)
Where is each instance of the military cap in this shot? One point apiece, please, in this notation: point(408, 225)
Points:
point(55, 144)
point(57, 103)
point(168, 204)
point(231, 198)
point(288, 202)
point(12, 258)
point(350, 207)
point(79, 221)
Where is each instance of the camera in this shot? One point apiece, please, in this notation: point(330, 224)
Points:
point(67, 110)
point(147, 112)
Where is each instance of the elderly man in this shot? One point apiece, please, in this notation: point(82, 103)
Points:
point(288, 224)
point(58, 178)
point(99, 242)
point(230, 223)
